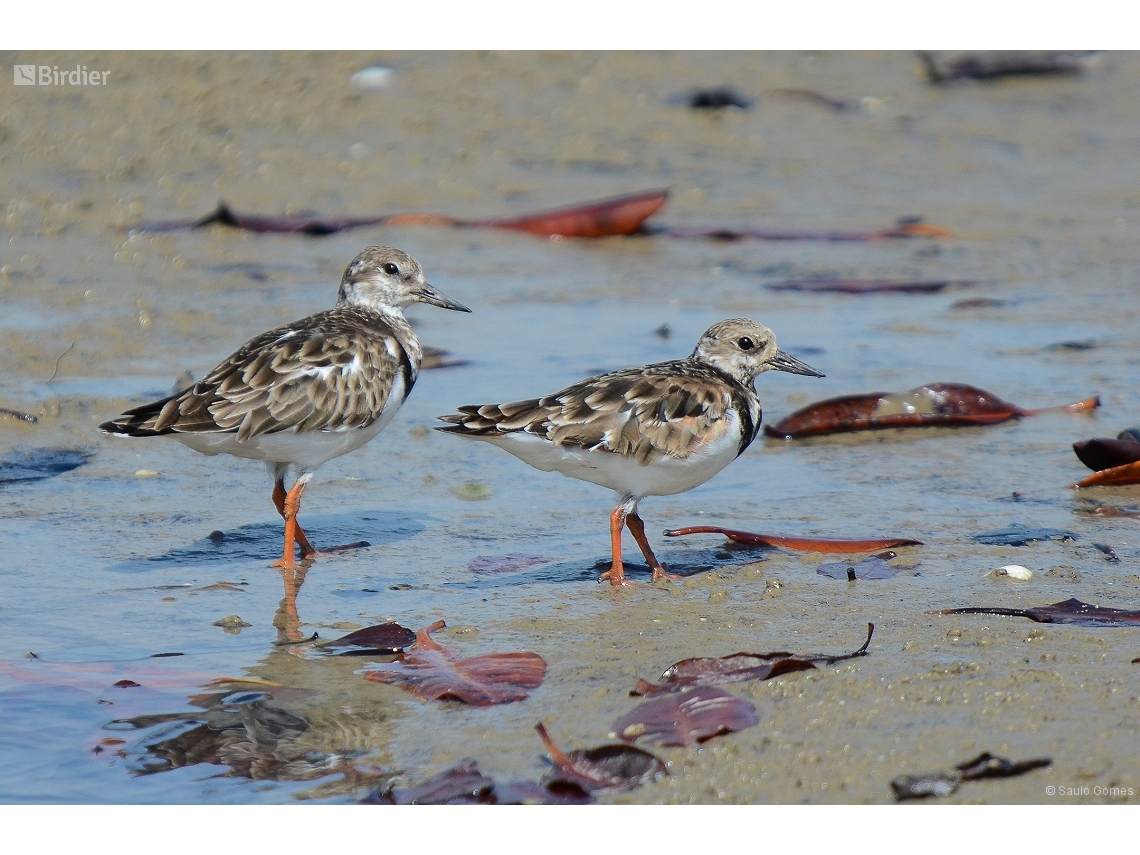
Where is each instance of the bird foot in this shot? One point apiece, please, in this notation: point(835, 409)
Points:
point(616, 575)
point(661, 573)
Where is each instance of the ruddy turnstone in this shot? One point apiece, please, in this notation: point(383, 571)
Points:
point(309, 391)
point(650, 431)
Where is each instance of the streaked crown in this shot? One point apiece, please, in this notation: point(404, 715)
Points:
point(385, 278)
point(742, 349)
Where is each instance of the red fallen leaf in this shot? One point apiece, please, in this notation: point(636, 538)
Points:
point(608, 767)
point(619, 216)
point(1117, 476)
point(803, 544)
point(432, 672)
point(865, 286)
point(622, 215)
point(932, 405)
point(687, 717)
point(381, 640)
point(1070, 611)
point(738, 668)
point(488, 564)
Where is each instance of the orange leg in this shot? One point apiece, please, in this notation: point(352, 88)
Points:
point(637, 529)
point(307, 549)
point(616, 573)
point(291, 505)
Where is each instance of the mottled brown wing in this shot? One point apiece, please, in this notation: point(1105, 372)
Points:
point(320, 375)
point(670, 409)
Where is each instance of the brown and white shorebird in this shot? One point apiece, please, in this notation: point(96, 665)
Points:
point(309, 391)
point(650, 431)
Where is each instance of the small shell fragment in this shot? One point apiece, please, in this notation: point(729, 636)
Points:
point(1013, 571)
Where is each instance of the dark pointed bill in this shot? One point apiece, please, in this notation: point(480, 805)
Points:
point(783, 362)
point(428, 294)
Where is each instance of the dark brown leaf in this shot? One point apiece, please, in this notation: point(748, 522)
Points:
point(802, 544)
point(1021, 535)
point(738, 668)
point(687, 718)
point(932, 405)
point(460, 785)
point(1071, 611)
point(903, 230)
point(1098, 454)
point(872, 567)
point(866, 286)
point(37, 463)
point(432, 672)
point(381, 640)
point(985, 765)
point(997, 64)
point(608, 767)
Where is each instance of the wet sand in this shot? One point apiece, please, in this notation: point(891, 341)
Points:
point(111, 563)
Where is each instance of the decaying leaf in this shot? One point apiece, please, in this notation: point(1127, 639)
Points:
point(1021, 535)
point(866, 286)
point(1117, 476)
point(487, 565)
point(801, 544)
point(434, 673)
point(464, 784)
point(872, 567)
point(985, 765)
point(38, 463)
point(460, 785)
point(383, 639)
point(992, 65)
point(607, 767)
point(738, 668)
point(932, 405)
point(1103, 453)
point(687, 717)
point(1071, 611)
point(905, 229)
point(620, 216)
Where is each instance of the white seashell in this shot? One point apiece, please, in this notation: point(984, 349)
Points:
point(1014, 571)
point(374, 77)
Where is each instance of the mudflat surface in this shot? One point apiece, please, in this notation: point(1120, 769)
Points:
point(119, 559)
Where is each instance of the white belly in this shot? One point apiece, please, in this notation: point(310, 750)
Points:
point(624, 475)
point(307, 450)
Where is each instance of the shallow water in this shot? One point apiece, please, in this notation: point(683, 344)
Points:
point(113, 561)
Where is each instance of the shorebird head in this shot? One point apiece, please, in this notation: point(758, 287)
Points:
point(383, 277)
point(742, 349)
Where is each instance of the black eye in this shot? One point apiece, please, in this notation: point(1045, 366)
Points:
point(745, 343)
point(391, 269)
